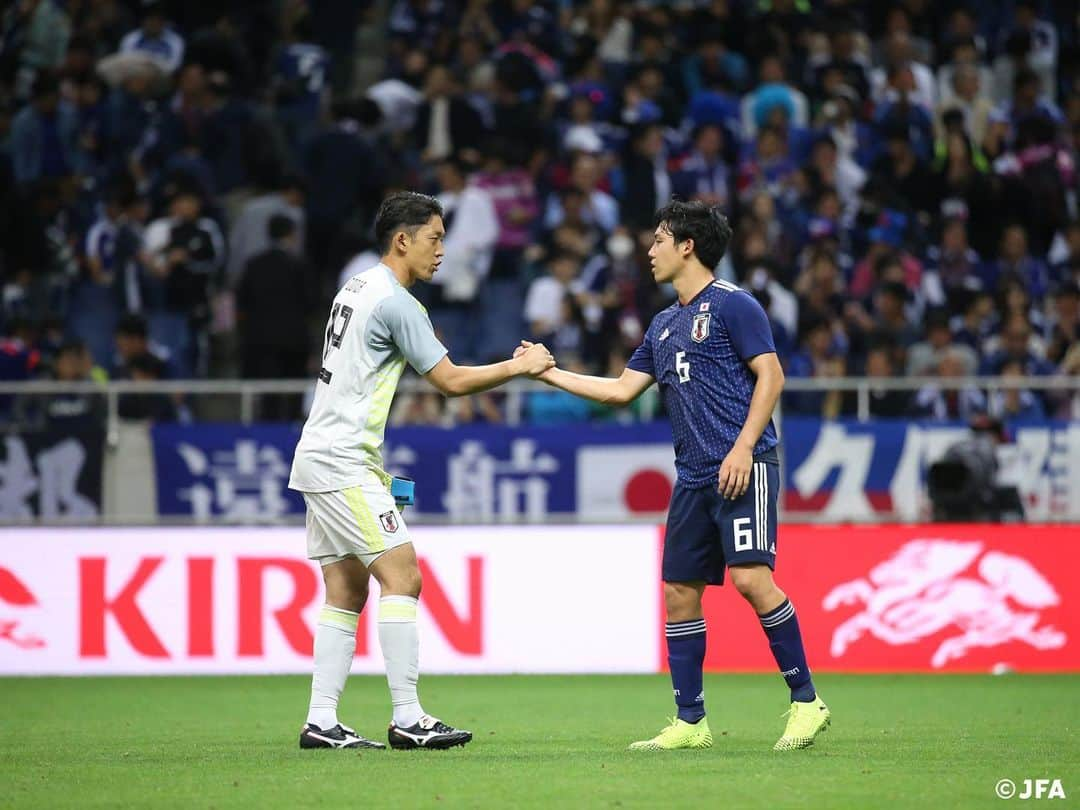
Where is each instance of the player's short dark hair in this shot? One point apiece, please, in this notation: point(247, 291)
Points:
point(703, 223)
point(403, 211)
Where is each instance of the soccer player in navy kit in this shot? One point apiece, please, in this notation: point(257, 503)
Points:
point(713, 356)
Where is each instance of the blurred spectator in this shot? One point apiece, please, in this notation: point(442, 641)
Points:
point(472, 229)
point(345, 180)
point(1014, 403)
point(185, 254)
point(1040, 43)
point(885, 403)
point(903, 77)
point(924, 357)
point(1064, 254)
point(1063, 332)
point(517, 207)
point(544, 304)
point(768, 168)
point(1026, 101)
point(704, 173)
point(886, 260)
point(831, 169)
point(773, 90)
point(300, 82)
point(45, 134)
point(18, 357)
point(155, 37)
point(844, 66)
point(648, 182)
point(714, 65)
point(968, 95)
point(817, 357)
point(274, 300)
point(1015, 262)
point(838, 118)
point(977, 323)
point(600, 209)
point(1015, 346)
point(73, 363)
point(1014, 299)
point(820, 290)
point(905, 174)
point(249, 234)
point(780, 303)
point(153, 407)
point(132, 339)
point(38, 32)
point(97, 296)
point(446, 123)
point(952, 269)
point(946, 400)
point(890, 300)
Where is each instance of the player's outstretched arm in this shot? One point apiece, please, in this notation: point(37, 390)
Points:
point(605, 390)
point(456, 381)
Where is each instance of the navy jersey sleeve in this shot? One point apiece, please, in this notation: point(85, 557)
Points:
point(642, 358)
point(747, 325)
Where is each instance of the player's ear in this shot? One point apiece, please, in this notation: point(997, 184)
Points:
point(687, 248)
point(401, 239)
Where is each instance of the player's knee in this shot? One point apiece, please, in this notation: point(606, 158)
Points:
point(359, 596)
point(347, 595)
point(416, 582)
point(681, 601)
point(402, 582)
point(749, 582)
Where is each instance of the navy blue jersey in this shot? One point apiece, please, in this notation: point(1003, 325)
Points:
point(699, 354)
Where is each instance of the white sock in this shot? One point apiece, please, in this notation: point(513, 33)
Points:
point(401, 652)
point(335, 643)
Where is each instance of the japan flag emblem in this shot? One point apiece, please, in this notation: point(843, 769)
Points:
point(700, 330)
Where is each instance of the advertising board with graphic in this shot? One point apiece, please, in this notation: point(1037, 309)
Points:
point(961, 598)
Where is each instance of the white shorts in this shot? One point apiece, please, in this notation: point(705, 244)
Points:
point(360, 521)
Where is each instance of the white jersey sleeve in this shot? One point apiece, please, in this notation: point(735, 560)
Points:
point(401, 321)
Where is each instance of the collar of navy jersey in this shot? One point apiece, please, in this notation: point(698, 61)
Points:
point(697, 295)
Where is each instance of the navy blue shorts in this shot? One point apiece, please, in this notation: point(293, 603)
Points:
point(706, 533)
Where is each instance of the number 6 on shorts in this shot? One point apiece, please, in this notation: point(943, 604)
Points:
point(744, 535)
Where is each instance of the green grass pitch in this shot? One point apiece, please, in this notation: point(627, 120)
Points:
point(541, 741)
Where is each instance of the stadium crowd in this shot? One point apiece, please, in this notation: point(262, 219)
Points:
point(184, 185)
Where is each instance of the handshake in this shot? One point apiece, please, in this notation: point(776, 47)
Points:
point(535, 359)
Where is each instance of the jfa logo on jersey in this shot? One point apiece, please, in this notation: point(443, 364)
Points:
point(700, 330)
point(389, 521)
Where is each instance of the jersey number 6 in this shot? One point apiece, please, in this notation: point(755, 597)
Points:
point(682, 366)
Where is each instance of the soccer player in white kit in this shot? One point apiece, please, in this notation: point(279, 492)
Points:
point(354, 528)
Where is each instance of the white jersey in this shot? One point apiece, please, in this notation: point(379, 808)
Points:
point(375, 326)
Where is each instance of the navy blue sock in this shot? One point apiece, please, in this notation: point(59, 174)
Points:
point(686, 657)
point(782, 627)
